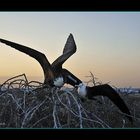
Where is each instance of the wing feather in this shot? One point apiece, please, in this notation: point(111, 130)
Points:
point(108, 91)
point(40, 57)
point(69, 50)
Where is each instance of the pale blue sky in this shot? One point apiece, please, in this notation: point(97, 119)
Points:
point(108, 43)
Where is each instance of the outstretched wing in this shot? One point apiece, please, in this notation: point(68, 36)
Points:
point(107, 90)
point(69, 49)
point(40, 57)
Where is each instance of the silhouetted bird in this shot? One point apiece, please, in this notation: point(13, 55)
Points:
point(55, 75)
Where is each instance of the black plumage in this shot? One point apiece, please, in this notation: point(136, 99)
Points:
point(51, 71)
point(108, 91)
point(54, 70)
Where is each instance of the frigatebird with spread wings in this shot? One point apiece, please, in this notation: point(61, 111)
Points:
point(52, 73)
point(55, 75)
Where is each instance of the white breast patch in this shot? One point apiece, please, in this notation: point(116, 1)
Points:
point(82, 90)
point(59, 82)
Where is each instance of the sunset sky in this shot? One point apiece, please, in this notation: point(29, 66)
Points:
point(108, 44)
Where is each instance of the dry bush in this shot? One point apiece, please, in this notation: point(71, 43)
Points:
point(26, 104)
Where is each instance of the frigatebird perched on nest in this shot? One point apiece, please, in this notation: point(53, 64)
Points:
point(55, 75)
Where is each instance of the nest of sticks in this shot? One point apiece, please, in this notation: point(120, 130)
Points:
point(25, 104)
